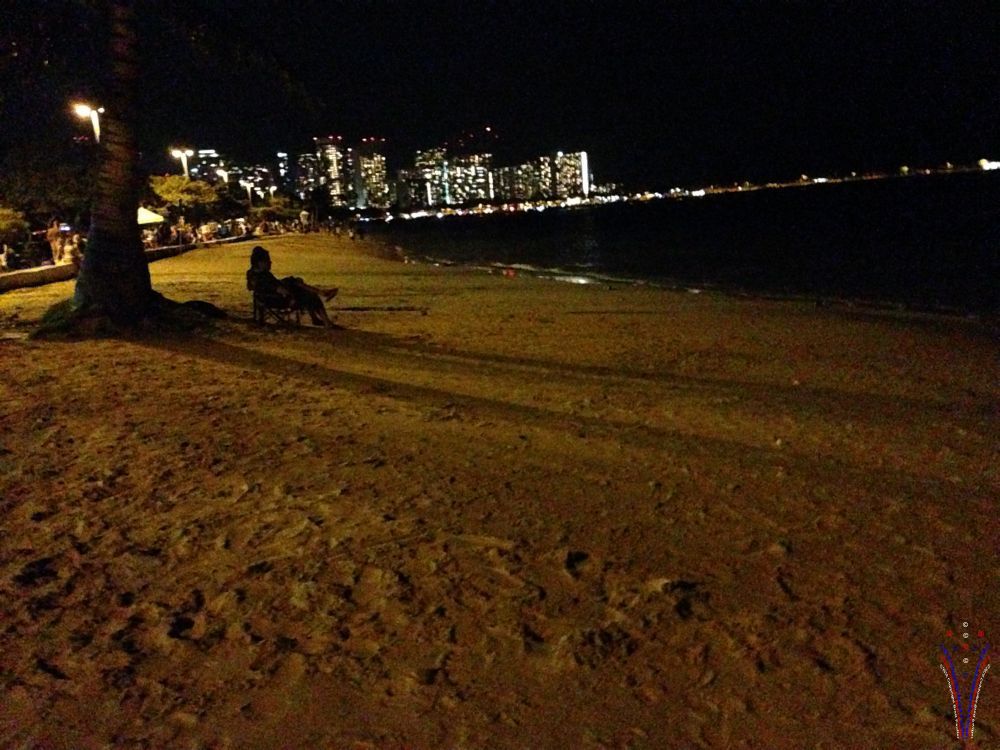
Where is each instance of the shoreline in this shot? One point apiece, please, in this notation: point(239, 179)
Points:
point(927, 248)
point(384, 249)
point(490, 512)
point(393, 251)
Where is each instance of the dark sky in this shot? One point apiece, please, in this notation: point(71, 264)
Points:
point(660, 94)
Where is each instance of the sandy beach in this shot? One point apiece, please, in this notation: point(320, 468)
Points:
point(493, 512)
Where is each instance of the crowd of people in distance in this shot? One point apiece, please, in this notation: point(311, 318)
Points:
point(167, 235)
point(66, 245)
point(56, 245)
point(181, 233)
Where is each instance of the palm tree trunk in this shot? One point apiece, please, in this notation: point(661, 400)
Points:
point(114, 276)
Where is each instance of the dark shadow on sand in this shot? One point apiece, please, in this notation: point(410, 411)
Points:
point(823, 468)
point(854, 404)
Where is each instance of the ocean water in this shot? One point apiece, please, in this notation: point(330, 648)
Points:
point(927, 241)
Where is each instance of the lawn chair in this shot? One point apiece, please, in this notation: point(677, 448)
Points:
point(273, 306)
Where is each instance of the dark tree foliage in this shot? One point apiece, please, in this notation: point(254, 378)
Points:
point(201, 64)
point(47, 160)
point(49, 181)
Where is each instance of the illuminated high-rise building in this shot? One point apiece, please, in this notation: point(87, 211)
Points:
point(572, 173)
point(350, 177)
point(337, 164)
point(470, 178)
point(432, 165)
point(411, 189)
point(308, 174)
point(503, 183)
point(533, 180)
point(283, 175)
point(439, 179)
point(371, 182)
point(526, 181)
point(545, 178)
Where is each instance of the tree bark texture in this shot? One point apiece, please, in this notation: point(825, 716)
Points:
point(114, 276)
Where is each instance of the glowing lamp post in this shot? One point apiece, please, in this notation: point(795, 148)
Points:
point(86, 112)
point(183, 155)
point(223, 174)
point(248, 186)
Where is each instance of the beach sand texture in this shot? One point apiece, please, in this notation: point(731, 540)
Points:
point(492, 513)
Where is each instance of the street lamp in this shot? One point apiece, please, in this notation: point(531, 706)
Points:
point(223, 174)
point(86, 112)
point(183, 156)
point(249, 188)
point(271, 190)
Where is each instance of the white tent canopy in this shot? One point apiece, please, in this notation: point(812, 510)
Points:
point(149, 217)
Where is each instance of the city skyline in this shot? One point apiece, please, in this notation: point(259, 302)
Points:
point(466, 182)
point(356, 174)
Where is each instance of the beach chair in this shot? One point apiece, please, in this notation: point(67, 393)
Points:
point(282, 310)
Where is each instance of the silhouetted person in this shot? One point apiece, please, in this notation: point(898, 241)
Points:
point(262, 281)
point(53, 236)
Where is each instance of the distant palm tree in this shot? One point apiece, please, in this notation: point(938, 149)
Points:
point(114, 277)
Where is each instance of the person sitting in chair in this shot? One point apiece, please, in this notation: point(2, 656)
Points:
point(261, 281)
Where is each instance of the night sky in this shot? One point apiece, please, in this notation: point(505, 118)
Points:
point(660, 94)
